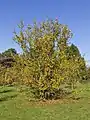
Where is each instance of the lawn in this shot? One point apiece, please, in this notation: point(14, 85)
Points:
point(15, 106)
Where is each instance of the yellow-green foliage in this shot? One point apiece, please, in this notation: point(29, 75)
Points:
point(44, 64)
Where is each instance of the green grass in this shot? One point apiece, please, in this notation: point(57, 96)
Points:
point(19, 108)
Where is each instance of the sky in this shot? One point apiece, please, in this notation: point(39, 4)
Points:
point(74, 13)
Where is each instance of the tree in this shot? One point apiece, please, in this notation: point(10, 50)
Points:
point(45, 47)
point(9, 53)
point(72, 50)
point(7, 57)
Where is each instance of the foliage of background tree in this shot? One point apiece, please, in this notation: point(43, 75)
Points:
point(7, 57)
point(6, 62)
point(88, 74)
point(9, 53)
point(73, 52)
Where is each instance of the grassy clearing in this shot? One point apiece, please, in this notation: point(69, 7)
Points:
point(17, 107)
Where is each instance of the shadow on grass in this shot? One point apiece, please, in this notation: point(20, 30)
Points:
point(5, 98)
point(5, 91)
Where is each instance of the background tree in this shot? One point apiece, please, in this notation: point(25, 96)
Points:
point(73, 52)
point(9, 53)
point(7, 57)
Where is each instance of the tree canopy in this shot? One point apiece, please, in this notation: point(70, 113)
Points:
point(9, 53)
point(49, 64)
